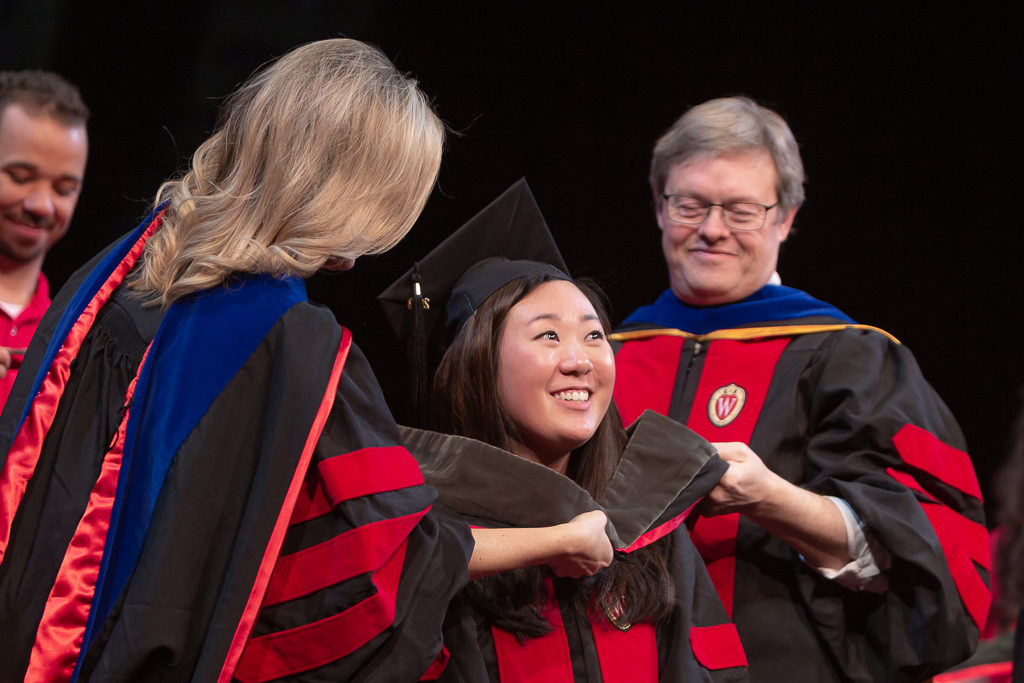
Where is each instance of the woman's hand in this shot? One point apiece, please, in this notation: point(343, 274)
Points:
point(577, 548)
point(587, 549)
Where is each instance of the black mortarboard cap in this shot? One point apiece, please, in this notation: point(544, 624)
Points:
point(507, 240)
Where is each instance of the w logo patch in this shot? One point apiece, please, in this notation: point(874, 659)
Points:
point(725, 404)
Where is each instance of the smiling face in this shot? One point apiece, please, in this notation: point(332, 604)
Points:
point(42, 162)
point(556, 372)
point(710, 264)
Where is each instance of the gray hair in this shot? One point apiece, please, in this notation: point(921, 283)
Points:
point(731, 124)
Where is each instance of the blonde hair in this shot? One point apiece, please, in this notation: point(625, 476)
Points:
point(330, 152)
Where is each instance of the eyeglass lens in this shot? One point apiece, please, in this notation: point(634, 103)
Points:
point(738, 215)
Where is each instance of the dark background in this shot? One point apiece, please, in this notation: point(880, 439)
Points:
point(904, 113)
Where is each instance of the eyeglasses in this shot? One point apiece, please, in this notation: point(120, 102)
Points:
point(742, 216)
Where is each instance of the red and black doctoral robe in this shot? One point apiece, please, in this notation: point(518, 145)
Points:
point(664, 471)
point(842, 410)
point(213, 493)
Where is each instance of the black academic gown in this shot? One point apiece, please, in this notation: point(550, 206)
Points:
point(240, 508)
point(842, 410)
point(664, 471)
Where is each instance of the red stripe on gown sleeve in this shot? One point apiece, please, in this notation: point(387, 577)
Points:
point(545, 659)
point(312, 501)
point(368, 471)
point(299, 649)
point(718, 646)
point(252, 606)
point(651, 366)
point(963, 542)
point(750, 365)
point(28, 443)
point(355, 552)
point(626, 655)
point(976, 595)
point(921, 449)
point(973, 535)
point(437, 667)
point(61, 629)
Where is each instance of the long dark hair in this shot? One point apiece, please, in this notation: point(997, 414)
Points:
point(638, 586)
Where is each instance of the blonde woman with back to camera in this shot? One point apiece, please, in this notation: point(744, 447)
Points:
point(214, 489)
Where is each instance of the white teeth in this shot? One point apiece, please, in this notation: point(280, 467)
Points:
point(575, 395)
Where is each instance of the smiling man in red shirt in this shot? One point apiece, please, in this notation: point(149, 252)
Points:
point(43, 149)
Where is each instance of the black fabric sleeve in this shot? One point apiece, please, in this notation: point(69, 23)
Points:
point(435, 565)
point(865, 396)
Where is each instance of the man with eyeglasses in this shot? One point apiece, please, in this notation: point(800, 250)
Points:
point(847, 538)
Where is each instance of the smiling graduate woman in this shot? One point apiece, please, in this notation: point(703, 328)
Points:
point(528, 378)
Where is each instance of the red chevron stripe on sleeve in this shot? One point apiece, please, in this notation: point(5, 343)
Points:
point(369, 471)
point(312, 501)
point(359, 551)
point(964, 542)
point(306, 647)
point(921, 449)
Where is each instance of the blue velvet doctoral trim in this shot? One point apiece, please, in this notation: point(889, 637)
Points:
point(92, 284)
point(770, 304)
point(202, 343)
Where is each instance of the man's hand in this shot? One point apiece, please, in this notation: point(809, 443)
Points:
point(747, 483)
point(6, 360)
point(805, 521)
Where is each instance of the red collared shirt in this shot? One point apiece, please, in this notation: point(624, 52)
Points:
point(17, 332)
